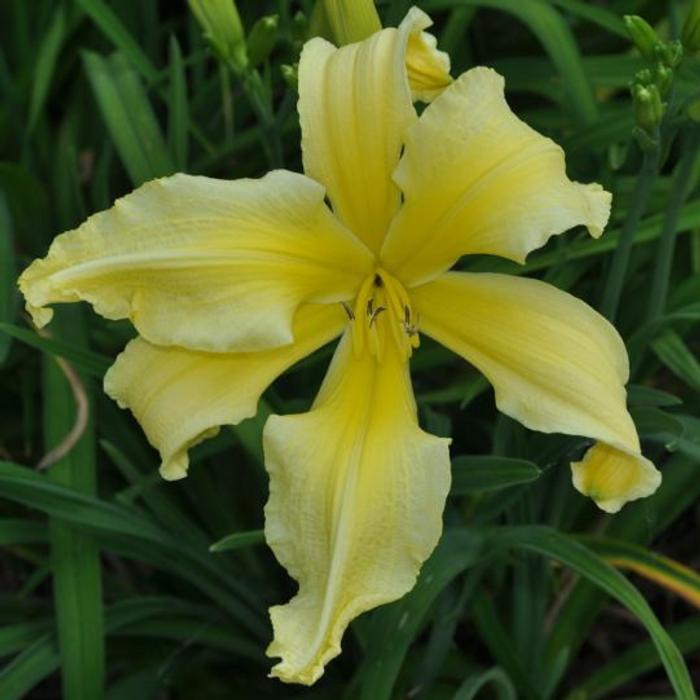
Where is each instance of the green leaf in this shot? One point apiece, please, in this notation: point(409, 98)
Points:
point(7, 274)
point(674, 353)
point(473, 474)
point(88, 361)
point(663, 571)
point(129, 117)
point(46, 61)
point(643, 396)
point(636, 661)
point(29, 668)
point(238, 540)
point(549, 27)
point(651, 421)
point(178, 108)
point(75, 560)
point(113, 28)
point(551, 543)
point(499, 681)
point(597, 15)
point(395, 626)
point(128, 531)
point(18, 531)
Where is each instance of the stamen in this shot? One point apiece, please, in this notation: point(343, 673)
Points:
point(378, 294)
point(348, 310)
point(376, 313)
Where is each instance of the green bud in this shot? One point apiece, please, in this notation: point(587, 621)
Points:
point(262, 39)
point(644, 77)
point(663, 77)
point(669, 53)
point(642, 34)
point(690, 35)
point(352, 20)
point(223, 31)
point(300, 28)
point(290, 75)
point(648, 108)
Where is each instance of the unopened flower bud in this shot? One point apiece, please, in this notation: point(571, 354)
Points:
point(690, 35)
point(663, 77)
point(223, 31)
point(648, 108)
point(261, 39)
point(352, 20)
point(669, 53)
point(290, 75)
point(642, 34)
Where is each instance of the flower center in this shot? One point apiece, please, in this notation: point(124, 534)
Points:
point(382, 314)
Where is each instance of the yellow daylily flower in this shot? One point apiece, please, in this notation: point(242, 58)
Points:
point(229, 283)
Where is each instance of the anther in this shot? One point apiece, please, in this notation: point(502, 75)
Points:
point(370, 307)
point(348, 310)
point(378, 280)
point(376, 313)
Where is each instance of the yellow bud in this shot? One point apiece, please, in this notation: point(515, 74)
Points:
point(351, 20)
point(223, 30)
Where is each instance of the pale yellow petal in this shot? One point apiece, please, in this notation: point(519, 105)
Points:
point(354, 108)
point(357, 491)
point(556, 364)
point(612, 477)
point(207, 264)
point(181, 397)
point(476, 179)
point(427, 67)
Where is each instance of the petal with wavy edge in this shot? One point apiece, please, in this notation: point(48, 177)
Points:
point(354, 107)
point(428, 68)
point(357, 491)
point(206, 264)
point(476, 179)
point(612, 477)
point(181, 397)
point(556, 366)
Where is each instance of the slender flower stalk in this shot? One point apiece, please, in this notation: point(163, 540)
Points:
point(667, 242)
point(615, 279)
point(230, 283)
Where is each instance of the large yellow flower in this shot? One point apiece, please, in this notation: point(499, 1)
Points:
point(229, 283)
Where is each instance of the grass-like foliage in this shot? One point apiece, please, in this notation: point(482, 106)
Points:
point(118, 585)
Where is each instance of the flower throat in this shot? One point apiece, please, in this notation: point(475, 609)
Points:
point(382, 314)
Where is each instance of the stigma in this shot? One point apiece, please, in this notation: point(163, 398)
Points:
point(382, 315)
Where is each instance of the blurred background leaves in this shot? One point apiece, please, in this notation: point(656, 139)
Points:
point(117, 585)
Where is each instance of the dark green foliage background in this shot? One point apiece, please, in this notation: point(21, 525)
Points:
point(106, 578)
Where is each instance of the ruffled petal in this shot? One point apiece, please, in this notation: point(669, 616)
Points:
point(206, 264)
point(354, 108)
point(556, 366)
point(612, 477)
point(476, 179)
point(357, 491)
point(181, 397)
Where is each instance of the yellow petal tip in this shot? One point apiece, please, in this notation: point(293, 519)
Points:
point(613, 477)
point(598, 204)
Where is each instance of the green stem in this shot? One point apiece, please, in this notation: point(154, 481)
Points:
point(227, 105)
point(261, 103)
point(667, 241)
point(640, 198)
